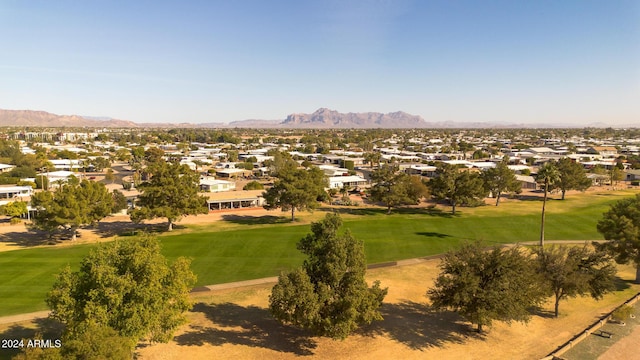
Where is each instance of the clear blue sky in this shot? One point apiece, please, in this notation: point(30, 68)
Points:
point(534, 61)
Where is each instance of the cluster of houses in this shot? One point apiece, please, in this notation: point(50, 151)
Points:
point(343, 168)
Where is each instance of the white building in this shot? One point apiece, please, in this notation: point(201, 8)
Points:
point(338, 182)
point(15, 192)
point(66, 164)
point(6, 167)
point(214, 185)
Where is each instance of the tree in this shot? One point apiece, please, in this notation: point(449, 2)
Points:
point(253, 185)
point(570, 271)
point(93, 341)
point(396, 189)
point(328, 294)
point(14, 209)
point(109, 176)
point(97, 200)
point(501, 179)
point(99, 163)
point(548, 175)
point(621, 226)
point(282, 162)
point(296, 189)
point(373, 157)
point(571, 176)
point(483, 286)
point(127, 285)
point(459, 187)
point(153, 155)
point(171, 192)
point(73, 205)
point(615, 176)
point(232, 155)
point(119, 201)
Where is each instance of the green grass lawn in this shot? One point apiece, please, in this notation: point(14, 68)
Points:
point(253, 248)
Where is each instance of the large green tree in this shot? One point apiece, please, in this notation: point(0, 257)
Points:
point(484, 286)
point(328, 294)
point(571, 176)
point(501, 179)
point(126, 285)
point(296, 189)
point(14, 209)
point(171, 193)
point(621, 226)
point(71, 206)
point(548, 176)
point(457, 186)
point(570, 271)
point(99, 202)
point(395, 188)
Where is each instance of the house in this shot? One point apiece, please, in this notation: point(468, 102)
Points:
point(66, 164)
point(330, 170)
point(483, 165)
point(604, 151)
point(214, 185)
point(338, 182)
point(5, 168)
point(518, 169)
point(632, 175)
point(235, 200)
point(13, 192)
point(599, 179)
point(423, 170)
point(527, 181)
point(233, 173)
point(56, 177)
point(459, 162)
point(541, 151)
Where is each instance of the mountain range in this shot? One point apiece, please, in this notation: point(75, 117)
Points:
point(322, 118)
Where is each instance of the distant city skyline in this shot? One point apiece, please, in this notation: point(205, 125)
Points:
point(574, 62)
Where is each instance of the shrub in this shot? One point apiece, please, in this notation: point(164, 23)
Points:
point(253, 185)
point(622, 313)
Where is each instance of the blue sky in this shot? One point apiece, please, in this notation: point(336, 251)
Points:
point(571, 62)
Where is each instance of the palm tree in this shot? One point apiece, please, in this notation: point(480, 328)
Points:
point(548, 175)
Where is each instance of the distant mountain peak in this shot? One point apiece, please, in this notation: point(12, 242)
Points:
point(328, 118)
point(45, 119)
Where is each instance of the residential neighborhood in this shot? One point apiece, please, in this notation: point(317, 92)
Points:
point(104, 156)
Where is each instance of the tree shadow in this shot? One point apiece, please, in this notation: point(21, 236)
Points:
point(540, 197)
point(420, 327)
point(433, 234)
point(540, 312)
point(128, 228)
point(248, 326)
point(365, 211)
point(622, 284)
point(28, 238)
point(256, 220)
point(44, 329)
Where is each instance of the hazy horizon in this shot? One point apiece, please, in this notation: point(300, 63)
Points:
point(571, 62)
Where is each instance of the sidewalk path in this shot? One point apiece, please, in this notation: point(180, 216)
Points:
point(23, 317)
